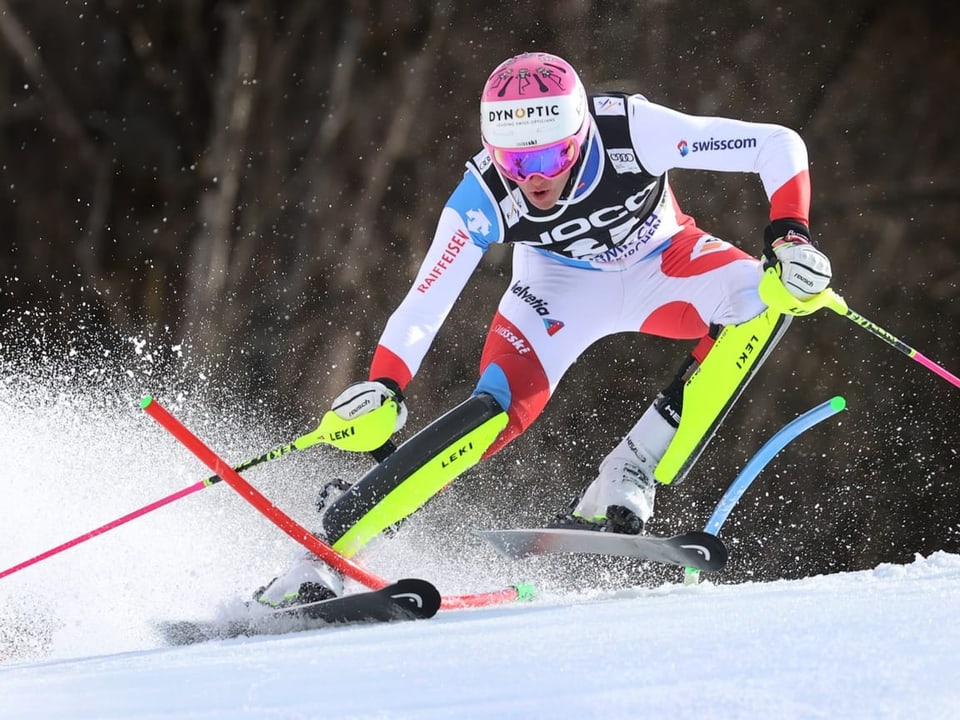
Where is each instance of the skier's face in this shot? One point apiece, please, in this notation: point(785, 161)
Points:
point(542, 192)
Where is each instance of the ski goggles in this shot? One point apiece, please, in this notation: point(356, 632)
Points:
point(549, 161)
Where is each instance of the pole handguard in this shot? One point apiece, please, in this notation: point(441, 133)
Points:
point(364, 433)
point(776, 296)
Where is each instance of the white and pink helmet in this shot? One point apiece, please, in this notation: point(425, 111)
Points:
point(533, 116)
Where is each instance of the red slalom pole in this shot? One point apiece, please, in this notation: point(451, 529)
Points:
point(255, 498)
point(301, 443)
point(521, 591)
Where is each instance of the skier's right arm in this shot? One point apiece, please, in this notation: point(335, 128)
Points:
point(468, 224)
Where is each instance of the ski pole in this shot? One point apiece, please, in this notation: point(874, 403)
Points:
point(775, 294)
point(110, 525)
point(290, 526)
point(895, 342)
point(758, 462)
point(520, 591)
point(314, 437)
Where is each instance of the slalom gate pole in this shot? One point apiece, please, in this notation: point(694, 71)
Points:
point(255, 498)
point(299, 533)
point(320, 434)
point(758, 462)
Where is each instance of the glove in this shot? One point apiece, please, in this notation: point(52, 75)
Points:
point(365, 397)
point(804, 270)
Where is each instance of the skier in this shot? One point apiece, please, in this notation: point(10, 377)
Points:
point(578, 185)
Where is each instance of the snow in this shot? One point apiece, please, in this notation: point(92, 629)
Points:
point(879, 644)
point(76, 637)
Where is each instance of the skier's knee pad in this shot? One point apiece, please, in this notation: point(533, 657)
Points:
point(520, 386)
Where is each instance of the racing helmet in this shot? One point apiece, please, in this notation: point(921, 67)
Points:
point(533, 116)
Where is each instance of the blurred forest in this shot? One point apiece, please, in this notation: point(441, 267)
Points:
point(258, 180)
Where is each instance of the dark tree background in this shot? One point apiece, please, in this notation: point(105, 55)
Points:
point(259, 179)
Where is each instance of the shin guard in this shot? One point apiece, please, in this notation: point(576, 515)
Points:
point(712, 388)
point(418, 470)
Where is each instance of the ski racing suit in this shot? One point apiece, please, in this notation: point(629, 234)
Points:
point(616, 254)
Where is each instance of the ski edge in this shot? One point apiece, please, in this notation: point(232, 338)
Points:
point(694, 548)
point(405, 600)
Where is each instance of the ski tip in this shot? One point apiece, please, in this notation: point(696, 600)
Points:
point(147, 399)
point(418, 597)
point(838, 403)
point(503, 544)
point(712, 552)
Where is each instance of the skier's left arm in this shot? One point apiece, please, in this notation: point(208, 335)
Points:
point(668, 139)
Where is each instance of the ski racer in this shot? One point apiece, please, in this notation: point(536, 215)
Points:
point(578, 185)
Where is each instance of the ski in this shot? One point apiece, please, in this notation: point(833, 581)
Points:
point(408, 599)
point(695, 549)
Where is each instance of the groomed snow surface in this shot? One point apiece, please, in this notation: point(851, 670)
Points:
point(77, 640)
point(880, 644)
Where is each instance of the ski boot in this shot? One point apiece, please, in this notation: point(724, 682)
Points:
point(308, 580)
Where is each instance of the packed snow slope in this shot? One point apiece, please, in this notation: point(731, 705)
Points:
point(879, 644)
point(77, 636)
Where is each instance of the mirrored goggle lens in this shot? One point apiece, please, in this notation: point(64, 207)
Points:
point(549, 161)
